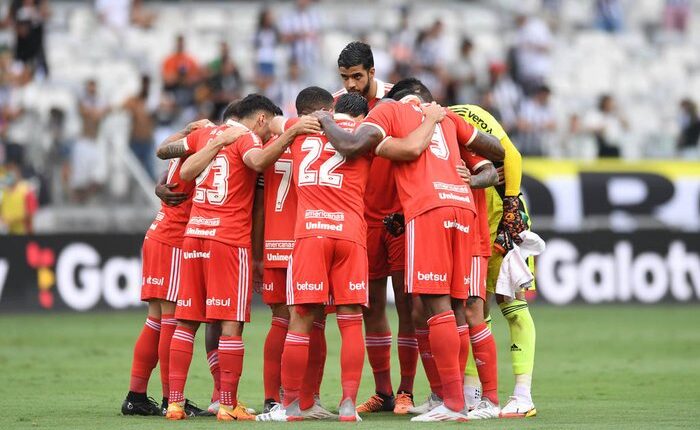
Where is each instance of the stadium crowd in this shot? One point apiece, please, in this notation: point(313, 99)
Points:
point(515, 80)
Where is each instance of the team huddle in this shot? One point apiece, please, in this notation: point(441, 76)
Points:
point(316, 212)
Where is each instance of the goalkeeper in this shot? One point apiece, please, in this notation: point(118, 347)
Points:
point(508, 216)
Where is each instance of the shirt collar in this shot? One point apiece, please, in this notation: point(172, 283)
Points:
point(342, 116)
point(232, 123)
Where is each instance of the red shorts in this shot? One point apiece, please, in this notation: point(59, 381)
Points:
point(160, 271)
point(477, 279)
point(439, 249)
point(385, 253)
point(274, 286)
point(327, 271)
point(216, 282)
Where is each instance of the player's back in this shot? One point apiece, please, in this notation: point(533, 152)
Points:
point(170, 222)
point(223, 197)
point(431, 180)
point(280, 211)
point(330, 188)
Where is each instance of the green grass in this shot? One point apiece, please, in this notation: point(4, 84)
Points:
point(597, 367)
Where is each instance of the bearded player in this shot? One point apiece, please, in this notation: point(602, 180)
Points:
point(385, 252)
point(440, 214)
point(507, 215)
point(162, 252)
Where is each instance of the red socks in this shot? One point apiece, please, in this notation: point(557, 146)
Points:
point(408, 360)
point(463, 332)
point(167, 327)
point(444, 344)
point(322, 353)
point(272, 357)
point(486, 360)
point(352, 354)
point(231, 352)
point(379, 354)
point(145, 355)
point(426, 357)
point(180, 359)
point(294, 358)
point(215, 370)
point(314, 368)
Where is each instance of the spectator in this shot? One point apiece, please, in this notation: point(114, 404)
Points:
point(266, 40)
point(608, 15)
point(532, 52)
point(225, 79)
point(463, 86)
point(142, 126)
point(690, 130)
point(18, 202)
point(607, 126)
point(88, 160)
point(179, 68)
point(284, 92)
point(21, 116)
point(431, 46)
point(60, 152)
point(27, 18)
point(536, 123)
point(402, 45)
point(677, 14)
point(506, 95)
point(301, 28)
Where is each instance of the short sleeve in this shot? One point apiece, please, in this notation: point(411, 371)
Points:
point(382, 118)
point(248, 142)
point(289, 123)
point(472, 160)
point(466, 132)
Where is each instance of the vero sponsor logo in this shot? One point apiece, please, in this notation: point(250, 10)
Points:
point(309, 286)
point(213, 301)
point(431, 276)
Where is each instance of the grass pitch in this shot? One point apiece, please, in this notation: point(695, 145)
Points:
point(596, 367)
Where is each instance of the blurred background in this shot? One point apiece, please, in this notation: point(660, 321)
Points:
point(600, 96)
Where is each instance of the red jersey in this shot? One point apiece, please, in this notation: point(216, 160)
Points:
point(474, 162)
point(169, 225)
point(329, 188)
point(381, 197)
point(280, 211)
point(430, 181)
point(222, 204)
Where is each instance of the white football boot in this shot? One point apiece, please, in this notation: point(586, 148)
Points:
point(485, 410)
point(440, 413)
point(518, 407)
point(348, 412)
point(280, 414)
point(431, 403)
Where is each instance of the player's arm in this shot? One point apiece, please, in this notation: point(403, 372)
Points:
point(487, 146)
point(196, 163)
point(257, 234)
point(260, 159)
point(165, 193)
point(412, 146)
point(350, 145)
point(175, 145)
point(512, 171)
point(485, 176)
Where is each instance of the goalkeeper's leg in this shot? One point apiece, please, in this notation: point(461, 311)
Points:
point(522, 349)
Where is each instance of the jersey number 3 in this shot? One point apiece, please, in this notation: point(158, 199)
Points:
point(214, 191)
point(325, 175)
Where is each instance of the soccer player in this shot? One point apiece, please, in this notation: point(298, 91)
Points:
point(507, 212)
point(162, 251)
point(216, 269)
point(440, 215)
point(279, 214)
point(385, 252)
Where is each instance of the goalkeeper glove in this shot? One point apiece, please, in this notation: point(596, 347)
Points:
point(512, 220)
point(395, 224)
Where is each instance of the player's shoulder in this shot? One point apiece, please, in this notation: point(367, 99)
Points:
point(479, 117)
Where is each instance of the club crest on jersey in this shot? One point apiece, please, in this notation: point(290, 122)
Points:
point(431, 276)
point(309, 286)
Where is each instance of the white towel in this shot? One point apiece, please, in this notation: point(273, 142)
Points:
point(515, 273)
